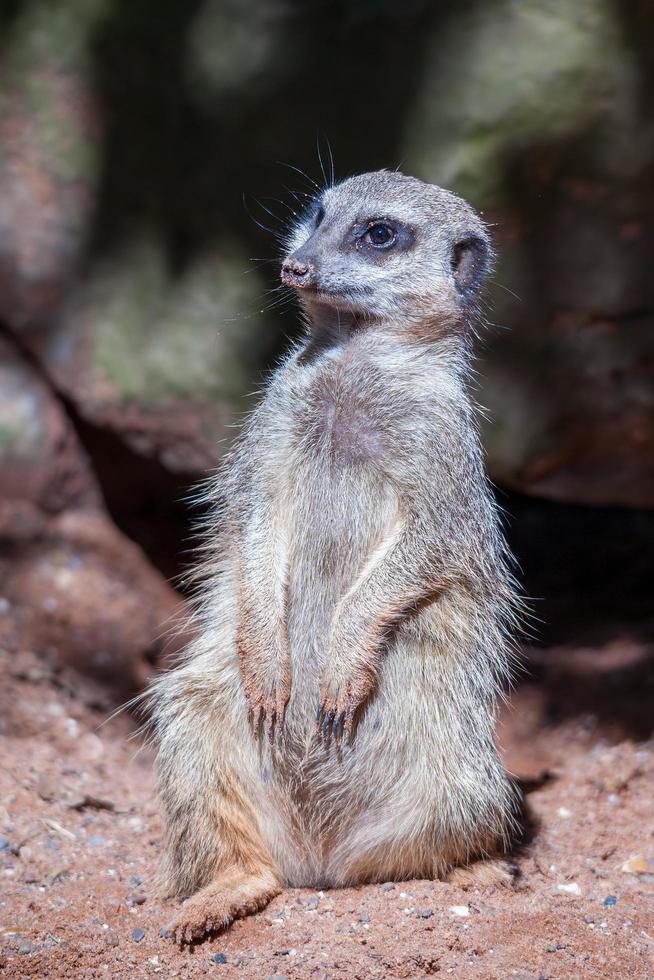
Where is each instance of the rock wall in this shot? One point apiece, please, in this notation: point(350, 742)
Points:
point(137, 142)
point(541, 114)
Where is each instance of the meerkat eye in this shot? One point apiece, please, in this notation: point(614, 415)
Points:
point(320, 214)
point(380, 235)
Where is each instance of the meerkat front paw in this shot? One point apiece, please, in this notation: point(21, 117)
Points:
point(340, 701)
point(267, 706)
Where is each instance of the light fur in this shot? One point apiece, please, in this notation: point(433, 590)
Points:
point(355, 573)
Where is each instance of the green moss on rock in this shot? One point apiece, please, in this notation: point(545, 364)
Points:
point(156, 336)
point(504, 76)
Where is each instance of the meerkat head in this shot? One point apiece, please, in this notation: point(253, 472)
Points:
point(384, 246)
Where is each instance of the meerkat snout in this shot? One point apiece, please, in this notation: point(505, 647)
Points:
point(297, 274)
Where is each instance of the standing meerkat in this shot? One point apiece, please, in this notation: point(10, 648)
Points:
point(332, 723)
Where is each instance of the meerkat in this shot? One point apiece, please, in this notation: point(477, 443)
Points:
point(332, 722)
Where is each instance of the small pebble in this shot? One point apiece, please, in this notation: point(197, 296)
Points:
point(364, 917)
point(25, 946)
point(6, 845)
point(96, 841)
point(111, 939)
point(166, 933)
point(134, 880)
point(47, 788)
point(461, 910)
point(569, 888)
point(425, 914)
point(637, 865)
point(137, 899)
point(312, 903)
point(219, 958)
point(138, 935)
point(388, 886)
point(551, 948)
point(610, 900)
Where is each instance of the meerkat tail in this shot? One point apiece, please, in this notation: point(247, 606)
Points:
point(492, 871)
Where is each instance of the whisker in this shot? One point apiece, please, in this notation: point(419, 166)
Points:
point(282, 203)
point(268, 211)
point(270, 231)
point(506, 289)
point(332, 169)
point(298, 194)
point(322, 166)
point(282, 163)
point(278, 303)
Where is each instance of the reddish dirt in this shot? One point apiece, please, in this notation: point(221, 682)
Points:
point(81, 839)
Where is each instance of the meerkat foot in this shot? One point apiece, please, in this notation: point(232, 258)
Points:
point(495, 871)
point(231, 896)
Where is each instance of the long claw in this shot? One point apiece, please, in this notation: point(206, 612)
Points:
point(255, 719)
point(327, 723)
point(279, 734)
point(338, 726)
point(282, 705)
point(269, 725)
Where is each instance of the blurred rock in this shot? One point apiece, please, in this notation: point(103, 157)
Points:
point(48, 162)
point(127, 142)
point(582, 428)
point(164, 359)
point(70, 582)
point(81, 589)
point(237, 50)
point(540, 114)
point(41, 461)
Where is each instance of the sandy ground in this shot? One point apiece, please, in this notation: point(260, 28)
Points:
point(81, 839)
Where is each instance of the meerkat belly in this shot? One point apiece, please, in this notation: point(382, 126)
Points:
point(338, 521)
point(343, 505)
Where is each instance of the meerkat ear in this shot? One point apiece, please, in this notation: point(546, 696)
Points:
point(470, 261)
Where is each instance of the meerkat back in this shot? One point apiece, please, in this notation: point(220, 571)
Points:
point(333, 722)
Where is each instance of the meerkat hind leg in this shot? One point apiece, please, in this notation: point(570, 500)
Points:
point(234, 894)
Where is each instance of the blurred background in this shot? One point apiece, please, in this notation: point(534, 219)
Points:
point(143, 145)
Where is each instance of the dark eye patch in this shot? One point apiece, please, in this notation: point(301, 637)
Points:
point(378, 236)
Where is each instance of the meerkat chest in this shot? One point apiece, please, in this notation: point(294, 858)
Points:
point(347, 431)
point(344, 421)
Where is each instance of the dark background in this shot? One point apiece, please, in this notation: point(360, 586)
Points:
point(144, 146)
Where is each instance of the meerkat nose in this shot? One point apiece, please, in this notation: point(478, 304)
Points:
point(298, 274)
